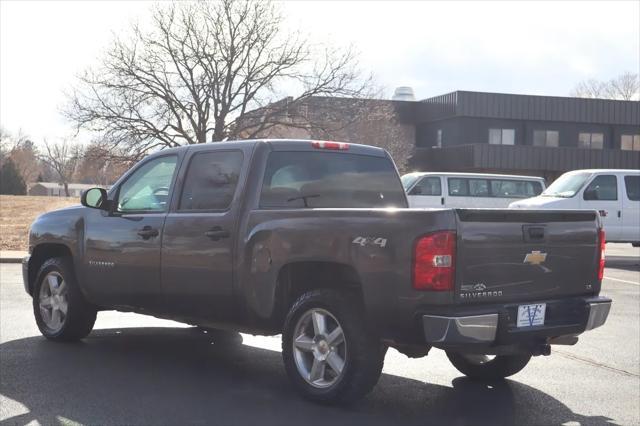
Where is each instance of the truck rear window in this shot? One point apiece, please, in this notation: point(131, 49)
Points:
point(297, 179)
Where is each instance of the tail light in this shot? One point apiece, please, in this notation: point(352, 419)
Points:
point(602, 240)
point(434, 262)
point(336, 146)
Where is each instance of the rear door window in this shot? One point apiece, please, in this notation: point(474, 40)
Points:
point(300, 179)
point(211, 181)
point(478, 187)
point(458, 187)
point(505, 188)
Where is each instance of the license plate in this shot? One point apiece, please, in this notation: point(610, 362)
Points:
point(531, 315)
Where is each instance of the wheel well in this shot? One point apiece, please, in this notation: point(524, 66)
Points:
point(40, 254)
point(297, 278)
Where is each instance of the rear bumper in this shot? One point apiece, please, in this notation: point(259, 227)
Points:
point(496, 326)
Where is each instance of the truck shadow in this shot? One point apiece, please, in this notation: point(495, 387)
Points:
point(178, 376)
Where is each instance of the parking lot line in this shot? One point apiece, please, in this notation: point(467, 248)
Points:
point(622, 281)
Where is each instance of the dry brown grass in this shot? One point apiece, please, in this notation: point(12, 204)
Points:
point(18, 211)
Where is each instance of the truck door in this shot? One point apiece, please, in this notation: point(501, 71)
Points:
point(121, 265)
point(601, 194)
point(198, 241)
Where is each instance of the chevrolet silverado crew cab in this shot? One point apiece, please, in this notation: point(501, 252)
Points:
point(315, 240)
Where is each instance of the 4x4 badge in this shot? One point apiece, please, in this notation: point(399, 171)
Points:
point(535, 257)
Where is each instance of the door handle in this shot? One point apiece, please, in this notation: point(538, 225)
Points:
point(148, 232)
point(217, 233)
point(442, 201)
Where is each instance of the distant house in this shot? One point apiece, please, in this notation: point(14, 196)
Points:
point(55, 189)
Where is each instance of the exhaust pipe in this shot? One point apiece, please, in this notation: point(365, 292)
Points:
point(544, 350)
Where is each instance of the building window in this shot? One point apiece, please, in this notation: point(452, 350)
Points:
point(630, 142)
point(591, 140)
point(439, 138)
point(502, 136)
point(546, 138)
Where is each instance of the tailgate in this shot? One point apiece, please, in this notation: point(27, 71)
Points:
point(513, 256)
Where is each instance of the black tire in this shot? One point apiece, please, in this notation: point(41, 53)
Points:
point(80, 317)
point(497, 368)
point(364, 356)
point(635, 244)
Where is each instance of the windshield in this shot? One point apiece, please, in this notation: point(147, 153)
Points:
point(567, 185)
point(408, 180)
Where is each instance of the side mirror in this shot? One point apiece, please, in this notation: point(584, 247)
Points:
point(416, 190)
point(95, 198)
point(590, 194)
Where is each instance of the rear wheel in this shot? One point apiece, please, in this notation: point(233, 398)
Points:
point(330, 355)
point(61, 312)
point(488, 367)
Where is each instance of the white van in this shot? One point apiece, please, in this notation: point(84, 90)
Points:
point(613, 193)
point(468, 189)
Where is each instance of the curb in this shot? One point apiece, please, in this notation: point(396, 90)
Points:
point(10, 260)
point(622, 261)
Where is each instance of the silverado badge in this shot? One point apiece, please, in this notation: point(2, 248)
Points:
point(535, 257)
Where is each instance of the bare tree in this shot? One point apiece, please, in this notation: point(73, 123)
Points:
point(101, 166)
point(626, 87)
point(199, 69)
point(63, 158)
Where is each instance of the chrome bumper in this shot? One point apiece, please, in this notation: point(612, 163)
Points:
point(598, 313)
point(455, 330)
point(480, 329)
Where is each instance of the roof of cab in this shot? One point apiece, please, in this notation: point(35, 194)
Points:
point(285, 145)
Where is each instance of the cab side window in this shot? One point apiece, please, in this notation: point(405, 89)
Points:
point(458, 187)
point(148, 188)
point(211, 180)
point(602, 188)
point(478, 187)
point(633, 187)
point(427, 186)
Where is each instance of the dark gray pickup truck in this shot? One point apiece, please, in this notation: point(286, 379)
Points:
point(314, 240)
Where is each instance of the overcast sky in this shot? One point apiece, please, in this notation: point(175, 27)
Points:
point(516, 47)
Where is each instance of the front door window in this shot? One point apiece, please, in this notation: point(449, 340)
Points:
point(148, 188)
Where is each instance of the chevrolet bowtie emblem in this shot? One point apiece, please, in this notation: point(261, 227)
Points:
point(535, 257)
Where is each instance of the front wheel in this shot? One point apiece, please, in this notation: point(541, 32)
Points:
point(488, 367)
point(329, 353)
point(61, 312)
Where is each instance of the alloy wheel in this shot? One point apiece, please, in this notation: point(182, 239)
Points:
point(53, 301)
point(319, 348)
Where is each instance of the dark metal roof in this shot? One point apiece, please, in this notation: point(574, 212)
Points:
point(489, 157)
point(530, 107)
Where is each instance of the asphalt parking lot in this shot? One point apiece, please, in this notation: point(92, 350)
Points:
point(140, 370)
